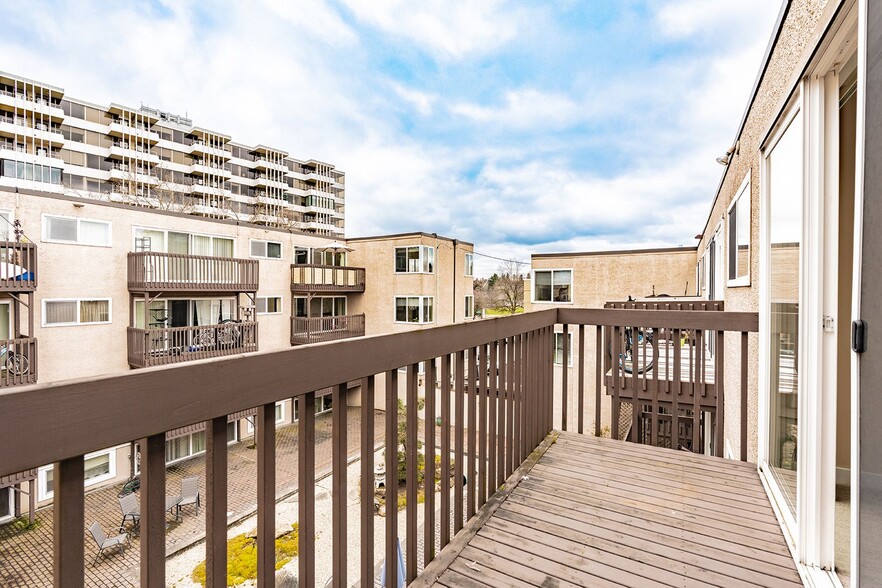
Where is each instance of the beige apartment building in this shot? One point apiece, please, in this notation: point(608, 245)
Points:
point(130, 238)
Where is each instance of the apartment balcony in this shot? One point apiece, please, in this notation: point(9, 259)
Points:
point(318, 329)
point(122, 173)
point(38, 132)
point(31, 104)
point(18, 266)
point(122, 151)
point(151, 271)
point(263, 181)
point(163, 346)
point(207, 190)
point(263, 163)
point(201, 169)
point(326, 278)
point(123, 129)
point(531, 492)
point(39, 157)
point(18, 361)
point(314, 176)
point(202, 148)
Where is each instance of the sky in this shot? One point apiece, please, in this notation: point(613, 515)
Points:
point(521, 127)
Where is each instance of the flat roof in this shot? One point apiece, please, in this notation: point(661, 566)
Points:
point(412, 234)
point(693, 249)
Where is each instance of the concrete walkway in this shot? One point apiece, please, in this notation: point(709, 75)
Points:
point(26, 557)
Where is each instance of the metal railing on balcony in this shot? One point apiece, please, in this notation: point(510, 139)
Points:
point(317, 329)
point(18, 361)
point(169, 272)
point(162, 346)
point(492, 385)
point(18, 266)
point(326, 278)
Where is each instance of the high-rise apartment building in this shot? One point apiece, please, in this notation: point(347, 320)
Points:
point(150, 158)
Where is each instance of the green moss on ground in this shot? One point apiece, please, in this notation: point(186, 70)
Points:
point(242, 556)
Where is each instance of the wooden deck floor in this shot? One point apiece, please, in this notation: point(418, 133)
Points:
point(600, 512)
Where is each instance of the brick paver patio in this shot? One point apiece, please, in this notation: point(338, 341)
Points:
point(26, 556)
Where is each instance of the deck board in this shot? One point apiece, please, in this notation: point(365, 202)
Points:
point(601, 512)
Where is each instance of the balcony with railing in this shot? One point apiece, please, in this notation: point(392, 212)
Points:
point(152, 271)
point(18, 266)
point(167, 345)
point(527, 490)
point(318, 329)
point(326, 278)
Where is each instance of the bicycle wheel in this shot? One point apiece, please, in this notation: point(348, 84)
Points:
point(644, 342)
point(16, 364)
point(228, 333)
point(204, 338)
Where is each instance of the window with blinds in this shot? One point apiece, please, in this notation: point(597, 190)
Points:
point(76, 312)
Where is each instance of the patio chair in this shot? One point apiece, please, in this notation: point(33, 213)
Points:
point(130, 506)
point(105, 542)
point(190, 492)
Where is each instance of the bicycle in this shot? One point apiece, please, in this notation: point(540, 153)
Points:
point(224, 334)
point(626, 357)
point(13, 363)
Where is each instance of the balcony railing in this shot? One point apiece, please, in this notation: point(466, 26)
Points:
point(317, 329)
point(18, 361)
point(18, 266)
point(161, 346)
point(326, 278)
point(177, 272)
point(498, 396)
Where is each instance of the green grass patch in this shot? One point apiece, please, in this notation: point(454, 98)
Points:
point(21, 524)
point(501, 311)
point(242, 556)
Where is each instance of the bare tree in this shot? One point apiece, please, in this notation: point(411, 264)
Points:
point(509, 286)
point(485, 295)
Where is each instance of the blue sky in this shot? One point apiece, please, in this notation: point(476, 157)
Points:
point(520, 126)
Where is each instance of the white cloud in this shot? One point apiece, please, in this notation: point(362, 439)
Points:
point(525, 109)
point(684, 18)
point(423, 102)
point(447, 30)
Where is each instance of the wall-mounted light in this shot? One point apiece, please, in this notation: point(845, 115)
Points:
point(78, 205)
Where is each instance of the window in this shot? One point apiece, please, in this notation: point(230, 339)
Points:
point(552, 286)
point(62, 229)
point(266, 249)
point(469, 264)
point(418, 259)
point(301, 255)
point(739, 236)
point(469, 306)
point(280, 417)
point(414, 309)
point(97, 467)
point(7, 509)
point(31, 171)
point(186, 243)
point(76, 312)
point(319, 306)
point(269, 305)
point(558, 349)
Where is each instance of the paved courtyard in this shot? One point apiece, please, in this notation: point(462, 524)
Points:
point(26, 556)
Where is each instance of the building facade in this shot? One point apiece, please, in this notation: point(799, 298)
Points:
point(150, 158)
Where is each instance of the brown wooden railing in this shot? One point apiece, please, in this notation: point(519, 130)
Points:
point(317, 329)
point(149, 347)
point(489, 383)
point(18, 361)
point(18, 266)
point(326, 278)
point(151, 271)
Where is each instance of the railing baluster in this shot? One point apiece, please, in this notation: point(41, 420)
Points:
point(481, 389)
point(339, 450)
point(653, 422)
point(367, 481)
point(306, 490)
point(637, 349)
point(216, 503)
point(676, 389)
point(580, 401)
point(599, 375)
point(445, 451)
point(459, 432)
point(743, 427)
point(391, 466)
point(68, 522)
point(564, 378)
point(718, 384)
point(429, 474)
point(472, 432)
point(616, 362)
point(411, 467)
point(491, 419)
point(152, 523)
point(508, 387)
point(497, 397)
point(697, 350)
point(265, 438)
point(549, 381)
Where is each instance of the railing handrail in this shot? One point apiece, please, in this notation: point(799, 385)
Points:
point(193, 327)
point(324, 266)
point(190, 256)
point(711, 320)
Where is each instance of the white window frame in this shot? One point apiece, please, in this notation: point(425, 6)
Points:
point(266, 248)
point(742, 197)
point(423, 249)
point(45, 226)
point(309, 258)
point(552, 270)
point(12, 497)
point(78, 301)
point(42, 494)
point(7, 228)
point(165, 233)
point(280, 406)
point(469, 265)
point(281, 304)
point(569, 348)
point(466, 309)
point(421, 303)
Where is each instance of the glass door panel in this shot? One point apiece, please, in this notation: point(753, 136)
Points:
point(784, 176)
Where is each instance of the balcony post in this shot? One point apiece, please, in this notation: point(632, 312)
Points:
point(153, 511)
point(68, 523)
point(216, 503)
point(265, 437)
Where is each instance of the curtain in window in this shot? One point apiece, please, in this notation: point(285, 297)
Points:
point(61, 229)
point(428, 304)
point(223, 247)
point(203, 313)
point(61, 312)
point(92, 233)
point(200, 245)
point(5, 328)
point(157, 239)
point(94, 311)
